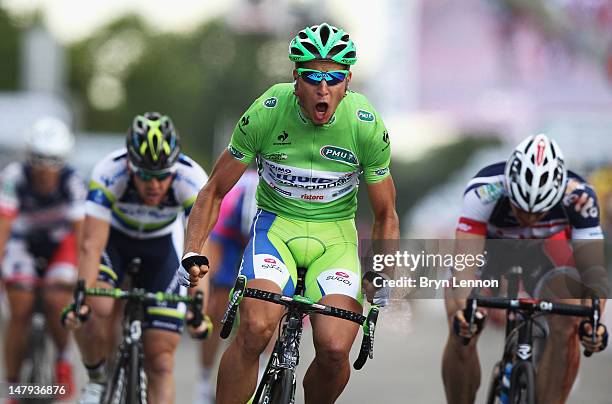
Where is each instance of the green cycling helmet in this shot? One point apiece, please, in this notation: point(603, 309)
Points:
point(323, 42)
point(152, 142)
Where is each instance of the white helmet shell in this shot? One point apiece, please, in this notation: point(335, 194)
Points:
point(535, 173)
point(50, 137)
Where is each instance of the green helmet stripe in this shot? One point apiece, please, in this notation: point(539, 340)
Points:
point(155, 133)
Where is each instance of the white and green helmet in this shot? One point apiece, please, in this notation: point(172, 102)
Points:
point(323, 42)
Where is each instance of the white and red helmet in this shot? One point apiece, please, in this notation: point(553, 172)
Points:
point(536, 176)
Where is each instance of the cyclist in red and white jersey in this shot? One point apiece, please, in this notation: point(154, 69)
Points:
point(531, 196)
point(41, 215)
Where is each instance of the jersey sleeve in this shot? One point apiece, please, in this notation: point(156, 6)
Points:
point(480, 197)
point(582, 210)
point(76, 194)
point(9, 200)
point(100, 199)
point(376, 147)
point(248, 132)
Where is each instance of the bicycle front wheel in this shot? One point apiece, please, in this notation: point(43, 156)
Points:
point(116, 387)
point(283, 389)
point(495, 385)
point(277, 388)
point(137, 387)
point(522, 384)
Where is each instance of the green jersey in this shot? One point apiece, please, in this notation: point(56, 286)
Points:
point(309, 172)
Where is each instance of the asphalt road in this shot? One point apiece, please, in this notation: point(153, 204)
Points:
point(406, 367)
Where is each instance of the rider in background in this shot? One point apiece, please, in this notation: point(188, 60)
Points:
point(139, 197)
point(225, 247)
point(41, 217)
point(531, 196)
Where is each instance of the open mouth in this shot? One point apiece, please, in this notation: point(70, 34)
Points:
point(320, 110)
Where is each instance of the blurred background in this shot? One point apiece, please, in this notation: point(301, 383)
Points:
point(457, 83)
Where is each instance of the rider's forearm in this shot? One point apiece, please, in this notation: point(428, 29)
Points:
point(93, 241)
point(202, 219)
point(385, 237)
point(5, 231)
point(589, 257)
point(78, 235)
point(89, 261)
point(386, 227)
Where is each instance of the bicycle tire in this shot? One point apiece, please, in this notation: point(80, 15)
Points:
point(265, 379)
point(116, 387)
point(276, 387)
point(37, 364)
point(136, 383)
point(283, 388)
point(495, 385)
point(522, 384)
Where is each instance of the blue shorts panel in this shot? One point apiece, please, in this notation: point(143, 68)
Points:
point(267, 257)
point(227, 270)
point(158, 273)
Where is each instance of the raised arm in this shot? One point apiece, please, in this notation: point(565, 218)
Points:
point(226, 172)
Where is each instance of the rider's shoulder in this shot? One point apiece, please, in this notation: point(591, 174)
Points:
point(488, 183)
point(359, 110)
point(189, 173)
point(275, 98)
point(576, 184)
point(13, 172)
point(111, 168)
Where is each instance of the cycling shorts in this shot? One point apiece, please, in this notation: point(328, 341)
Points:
point(328, 250)
point(20, 262)
point(227, 269)
point(158, 272)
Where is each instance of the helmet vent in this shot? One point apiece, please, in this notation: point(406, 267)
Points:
point(336, 49)
point(324, 33)
point(311, 48)
point(528, 176)
point(297, 51)
point(543, 179)
point(302, 35)
point(345, 37)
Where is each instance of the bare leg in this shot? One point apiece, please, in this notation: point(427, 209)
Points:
point(159, 348)
point(330, 370)
point(21, 302)
point(237, 376)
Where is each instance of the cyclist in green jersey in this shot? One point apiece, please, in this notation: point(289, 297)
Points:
point(312, 139)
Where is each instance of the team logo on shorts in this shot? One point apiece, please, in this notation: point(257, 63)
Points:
point(339, 281)
point(267, 266)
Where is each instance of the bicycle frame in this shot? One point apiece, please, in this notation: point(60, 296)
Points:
point(130, 355)
point(519, 315)
point(285, 356)
point(128, 370)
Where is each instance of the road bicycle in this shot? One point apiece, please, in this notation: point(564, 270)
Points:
point(127, 382)
point(514, 376)
point(278, 384)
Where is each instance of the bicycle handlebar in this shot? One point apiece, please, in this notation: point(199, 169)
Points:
point(542, 306)
point(307, 306)
point(195, 302)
